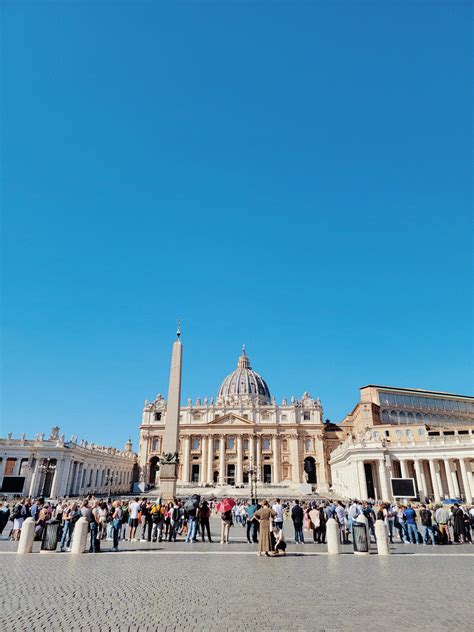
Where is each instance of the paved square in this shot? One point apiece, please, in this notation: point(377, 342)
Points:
point(169, 586)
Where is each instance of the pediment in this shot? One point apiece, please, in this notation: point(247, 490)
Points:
point(230, 419)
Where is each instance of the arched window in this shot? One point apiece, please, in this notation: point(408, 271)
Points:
point(385, 416)
point(411, 418)
point(285, 444)
point(402, 417)
point(230, 443)
point(418, 418)
point(308, 444)
point(155, 444)
point(265, 443)
point(393, 417)
point(195, 443)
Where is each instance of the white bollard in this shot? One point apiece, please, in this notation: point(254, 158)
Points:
point(79, 536)
point(27, 536)
point(361, 518)
point(383, 547)
point(332, 534)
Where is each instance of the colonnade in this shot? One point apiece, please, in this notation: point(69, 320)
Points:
point(434, 477)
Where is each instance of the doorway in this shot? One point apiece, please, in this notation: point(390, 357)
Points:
point(267, 473)
point(195, 473)
point(231, 474)
point(310, 470)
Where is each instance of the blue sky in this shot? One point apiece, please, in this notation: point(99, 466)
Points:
point(292, 176)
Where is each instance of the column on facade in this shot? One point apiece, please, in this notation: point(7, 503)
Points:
point(239, 473)
point(452, 467)
point(203, 468)
point(439, 481)
point(465, 481)
point(58, 472)
point(295, 459)
point(403, 469)
point(384, 491)
point(362, 480)
point(449, 478)
point(259, 458)
point(222, 460)
point(186, 451)
point(434, 480)
point(420, 479)
point(34, 479)
point(276, 459)
point(322, 466)
point(210, 459)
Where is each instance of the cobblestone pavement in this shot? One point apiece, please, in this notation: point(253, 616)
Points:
point(214, 587)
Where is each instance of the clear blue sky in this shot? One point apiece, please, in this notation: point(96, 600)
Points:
point(292, 176)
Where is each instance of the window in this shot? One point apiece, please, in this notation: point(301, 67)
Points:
point(157, 416)
point(195, 443)
point(155, 444)
point(411, 418)
point(245, 444)
point(375, 435)
point(9, 467)
point(393, 417)
point(398, 433)
point(385, 416)
point(285, 444)
point(230, 443)
point(196, 416)
point(421, 432)
point(408, 433)
point(265, 416)
point(402, 417)
point(283, 417)
point(216, 444)
point(265, 443)
point(23, 465)
point(306, 415)
point(308, 444)
point(245, 416)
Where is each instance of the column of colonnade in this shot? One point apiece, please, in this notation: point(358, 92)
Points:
point(443, 474)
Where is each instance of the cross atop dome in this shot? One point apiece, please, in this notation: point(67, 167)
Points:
point(243, 362)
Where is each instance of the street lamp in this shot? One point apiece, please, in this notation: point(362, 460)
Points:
point(110, 479)
point(252, 472)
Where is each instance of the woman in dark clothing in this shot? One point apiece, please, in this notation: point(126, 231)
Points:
point(458, 523)
point(203, 520)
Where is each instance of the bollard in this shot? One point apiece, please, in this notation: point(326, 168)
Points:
point(360, 535)
point(381, 534)
point(27, 536)
point(79, 536)
point(332, 534)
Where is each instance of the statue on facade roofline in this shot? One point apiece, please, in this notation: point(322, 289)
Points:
point(23, 436)
point(54, 433)
point(9, 436)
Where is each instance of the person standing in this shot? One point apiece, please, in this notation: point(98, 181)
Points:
point(442, 520)
point(410, 518)
point(192, 525)
point(203, 518)
point(263, 516)
point(297, 516)
point(278, 509)
point(226, 524)
point(4, 516)
point(426, 518)
point(133, 509)
point(116, 524)
point(458, 524)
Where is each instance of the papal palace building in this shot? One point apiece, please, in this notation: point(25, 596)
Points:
point(243, 428)
point(406, 433)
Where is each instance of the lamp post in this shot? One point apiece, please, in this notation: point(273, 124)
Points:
point(252, 472)
point(110, 480)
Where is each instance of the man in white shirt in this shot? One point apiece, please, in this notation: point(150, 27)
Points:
point(278, 508)
point(133, 509)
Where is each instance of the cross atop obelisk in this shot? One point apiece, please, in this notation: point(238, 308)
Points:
point(169, 466)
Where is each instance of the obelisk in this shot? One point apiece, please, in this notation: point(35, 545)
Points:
point(169, 463)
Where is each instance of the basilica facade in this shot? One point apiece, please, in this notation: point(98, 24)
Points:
point(239, 435)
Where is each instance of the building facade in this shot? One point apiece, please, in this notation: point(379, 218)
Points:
point(241, 433)
point(52, 467)
point(406, 433)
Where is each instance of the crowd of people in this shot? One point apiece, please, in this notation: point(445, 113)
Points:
point(151, 520)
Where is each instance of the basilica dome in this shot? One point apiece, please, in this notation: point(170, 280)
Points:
point(244, 383)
